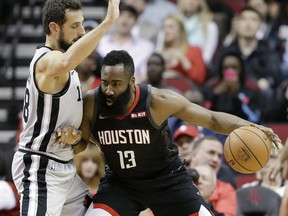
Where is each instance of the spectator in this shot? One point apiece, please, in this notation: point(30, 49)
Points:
point(155, 70)
point(181, 58)
point(151, 14)
point(209, 150)
point(121, 37)
point(202, 31)
point(86, 71)
point(88, 26)
point(257, 57)
point(90, 167)
point(185, 137)
point(278, 184)
point(232, 92)
point(9, 197)
point(206, 183)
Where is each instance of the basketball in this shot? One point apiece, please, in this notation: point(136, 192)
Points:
point(247, 149)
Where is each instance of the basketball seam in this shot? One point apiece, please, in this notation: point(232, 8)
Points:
point(259, 137)
point(249, 149)
point(236, 159)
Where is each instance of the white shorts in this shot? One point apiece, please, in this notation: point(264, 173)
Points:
point(47, 186)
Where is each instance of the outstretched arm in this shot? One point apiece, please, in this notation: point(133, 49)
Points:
point(166, 103)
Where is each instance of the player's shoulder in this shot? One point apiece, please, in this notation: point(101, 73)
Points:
point(162, 93)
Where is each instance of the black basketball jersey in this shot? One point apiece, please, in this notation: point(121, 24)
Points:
point(135, 147)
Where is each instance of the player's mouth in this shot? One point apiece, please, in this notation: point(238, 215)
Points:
point(109, 102)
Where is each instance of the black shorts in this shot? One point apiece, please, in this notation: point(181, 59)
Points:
point(180, 198)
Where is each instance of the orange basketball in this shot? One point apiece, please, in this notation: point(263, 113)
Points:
point(247, 149)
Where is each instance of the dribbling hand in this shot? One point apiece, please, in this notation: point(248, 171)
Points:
point(271, 135)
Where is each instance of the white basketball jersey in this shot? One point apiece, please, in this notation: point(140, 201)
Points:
point(44, 113)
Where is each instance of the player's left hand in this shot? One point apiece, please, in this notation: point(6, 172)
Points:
point(67, 135)
point(271, 135)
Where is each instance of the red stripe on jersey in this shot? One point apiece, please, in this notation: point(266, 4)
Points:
point(106, 208)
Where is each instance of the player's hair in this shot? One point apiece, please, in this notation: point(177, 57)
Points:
point(116, 57)
point(55, 11)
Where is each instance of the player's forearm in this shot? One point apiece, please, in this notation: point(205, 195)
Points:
point(225, 123)
point(81, 49)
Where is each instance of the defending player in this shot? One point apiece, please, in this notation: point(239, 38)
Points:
point(44, 173)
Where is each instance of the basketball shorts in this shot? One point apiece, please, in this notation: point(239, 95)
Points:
point(180, 199)
point(48, 186)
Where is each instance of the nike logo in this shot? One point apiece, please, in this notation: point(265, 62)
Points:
point(103, 117)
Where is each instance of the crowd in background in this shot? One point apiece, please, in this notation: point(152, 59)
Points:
point(225, 55)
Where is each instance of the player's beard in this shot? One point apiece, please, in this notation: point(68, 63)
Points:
point(119, 106)
point(62, 43)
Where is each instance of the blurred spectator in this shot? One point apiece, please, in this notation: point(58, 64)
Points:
point(278, 184)
point(181, 58)
point(284, 63)
point(257, 57)
point(185, 137)
point(284, 204)
point(222, 16)
point(86, 71)
point(232, 34)
point(151, 14)
point(121, 38)
point(206, 184)
point(7, 150)
point(88, 26)
point(9, 197)
point(90, 167)
point(232, 92)
point(201, 30)
point(155, 69)
point(209, 150)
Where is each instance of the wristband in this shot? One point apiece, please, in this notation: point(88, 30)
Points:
point(76, 143)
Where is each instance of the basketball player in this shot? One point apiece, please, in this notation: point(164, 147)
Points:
point(44, 173)
point(129, 121)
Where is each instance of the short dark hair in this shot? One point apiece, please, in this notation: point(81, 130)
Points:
point(128, 8)
point(55, 11)
point(249, 8)
point(116, 57)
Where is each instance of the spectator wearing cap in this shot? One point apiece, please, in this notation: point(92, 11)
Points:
point(184, 137)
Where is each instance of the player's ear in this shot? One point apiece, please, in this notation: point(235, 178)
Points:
point(132, 81)
point(54, 28)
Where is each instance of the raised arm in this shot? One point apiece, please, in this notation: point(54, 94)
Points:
point(55, 63)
